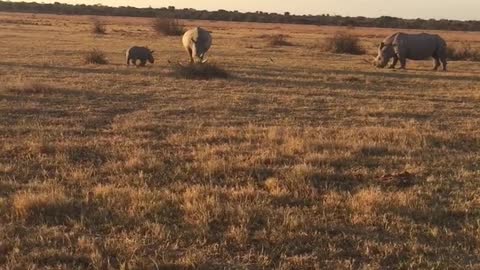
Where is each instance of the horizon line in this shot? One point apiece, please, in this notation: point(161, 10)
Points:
point(245, 11)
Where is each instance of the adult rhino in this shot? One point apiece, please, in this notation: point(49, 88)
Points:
point(143, 54)
point(402, 46)
point(196, 42)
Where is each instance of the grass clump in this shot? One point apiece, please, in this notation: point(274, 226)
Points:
point(278, 40)
point(30, 87)
point(344, 43)
point(96, 57)
point(168, 26)
point(463, 52)
point(199, 71)
point(98, 27)
point(52, 206)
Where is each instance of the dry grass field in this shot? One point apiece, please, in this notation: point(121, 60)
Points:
point(300, 159)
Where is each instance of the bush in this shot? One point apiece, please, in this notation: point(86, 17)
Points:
point(96, 56)
point(199, 71)
point(168, 27)
point(99, 27)
point(463, 51)
point(278, 40)
point(342, 42)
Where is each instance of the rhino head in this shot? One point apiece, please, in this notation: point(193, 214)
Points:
point(150, 57)
point(385, 53)
point(200, 52)
point(203, 59)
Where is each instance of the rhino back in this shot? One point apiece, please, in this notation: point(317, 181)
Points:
point(138, 52)
point(390, 39)
point(419, 46)
point(204, 39)
point(187, 39)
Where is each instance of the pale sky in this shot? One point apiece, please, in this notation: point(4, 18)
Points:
point(446, 9)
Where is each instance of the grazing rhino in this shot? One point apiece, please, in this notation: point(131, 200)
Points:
point(196, 42)
point(401, 46)
point(139, 53)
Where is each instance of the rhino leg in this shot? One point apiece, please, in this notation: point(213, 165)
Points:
point(190, 54)
point(436, 61)
point(143, 62)
point(132, 61)
point(403, 62)
point(400, 53)
point(395, 61)
point(444, 63)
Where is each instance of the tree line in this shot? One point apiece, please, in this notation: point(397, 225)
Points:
point(236, 16)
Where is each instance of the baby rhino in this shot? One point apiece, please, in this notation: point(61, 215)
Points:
point(143, 54)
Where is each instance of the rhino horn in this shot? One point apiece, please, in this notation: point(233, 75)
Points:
point(369, 61)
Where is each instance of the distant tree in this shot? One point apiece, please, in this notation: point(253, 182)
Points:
point(259, 16)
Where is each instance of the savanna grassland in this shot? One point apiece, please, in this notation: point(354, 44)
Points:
point(300, 159)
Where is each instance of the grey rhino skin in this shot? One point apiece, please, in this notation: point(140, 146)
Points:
point(197, 42)
point(402, 46)
point(143, 54)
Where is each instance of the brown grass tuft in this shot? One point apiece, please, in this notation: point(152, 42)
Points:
point(50, 206)
point(198, 71)
point(278, 40)
point(30, 87)
point(463, 52)
point(168, 26)
point(274, 187)
point(3, 209)
point(343, 43)
point(96, 56)
point(98, 27)
point(202, 207)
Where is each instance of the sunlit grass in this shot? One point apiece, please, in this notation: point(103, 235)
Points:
point(299, 159)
